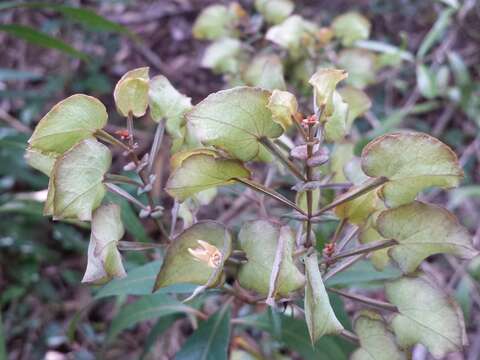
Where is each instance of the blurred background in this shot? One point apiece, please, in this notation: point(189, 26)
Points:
point(49, 53)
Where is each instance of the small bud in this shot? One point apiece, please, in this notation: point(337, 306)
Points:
point(207, 253)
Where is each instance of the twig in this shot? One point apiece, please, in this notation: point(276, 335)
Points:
point(283, 159)
point(365, 300)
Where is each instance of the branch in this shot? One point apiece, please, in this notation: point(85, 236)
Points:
point(283, 159)
point(365, 300)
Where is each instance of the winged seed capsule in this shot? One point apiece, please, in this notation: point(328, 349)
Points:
point(207, 253)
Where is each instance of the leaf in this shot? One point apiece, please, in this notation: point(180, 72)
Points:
point(223, 56)
point(342, 153)
point(427, 315)
point(157, 330)
point(131, 92)
point(234, 120)
point(357, 211)
point(335, 127)
point(319, 315)
point(412, 162)
point(358, 103)
point(214, 22)
point(180, 266)
point(324, 82)
point(77, 180)
point(200, 170)
point(265, 71)
point(167, 103)
point(259, 241)
point(36, 37)
point(146, 308)
point(423, 230)
point(426, 82)
point(283, 106)
point(40, 161)
point(436, 32)
point(104, 259)
point(274, 11)
point(211, 339)
point(377, 343)
point(294, 34)
point(70, 121)
point(350, 27)
point(363, 273)
point(360, 65)
point(369, 234)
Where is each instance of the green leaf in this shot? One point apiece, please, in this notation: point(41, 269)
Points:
point(358, 103)
point(199, 170)
point(131, 92)
point(335, 127)
point(146, 308)
point(294, 34)
point(259, 240)
point(234, 120)
point(167, 103)
point(423, 230)
point(214, 22)
point(157, 330)
point(364, 273)
point(223, 56)
point(357, 211)
point(319, 315)
point(77, 180)
point(350, 27)
point(377, 343)
point(412, 162)
point(182, 266)
point(360, 65)
point(70, 121)
point(211, 339)
point(104, 259)
point(265, 71)
point(36, 37)
point(426, 315)
point(274, 11)
point(368, 234)
point(341, 155)
point(283, 106)
point(426, 82)
point(40, 161)
point(324, 82)
point(436, 32)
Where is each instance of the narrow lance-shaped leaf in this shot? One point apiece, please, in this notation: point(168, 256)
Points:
point(199, 170)
point(235, 120)
point(67, 123)
point(259, 240)
point(350, 27)
point(412, 162)
point(324, 83)
point(131, 92)
point(169, 104)
point(423, 230)
point(104, 259)
point(377, 343)
point(320, 317)
point(426, 315)
point(195, 254)
point(77, 180)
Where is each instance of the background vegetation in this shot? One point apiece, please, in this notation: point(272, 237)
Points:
point(50, 52)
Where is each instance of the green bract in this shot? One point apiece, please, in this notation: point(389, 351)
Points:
point(76, 184)
point(259, 240)
point(377, 343)
point(180, 266)
point(283, 106)
point(199, 170)
point(412, 162)
point(423, 230)
point(426, 315)
point(70, 121)
point(169, 104)
point(321, 319)
point(234, 120)
point(324, 82)
point(350, 27)
point(104, 259)
point(131, 92)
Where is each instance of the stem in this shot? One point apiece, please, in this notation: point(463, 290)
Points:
point(157, 141)
point(130, 129)
point(365, 300)
point(350, 336)
point(364, 249)
point(338, 230)
point(115, 178)
point(280, 156)
point(138, 246)
point(308, 171)
point(119, 191)
point(273, 194)
point(102, 134)
point(342, 266)
point(355, 193)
